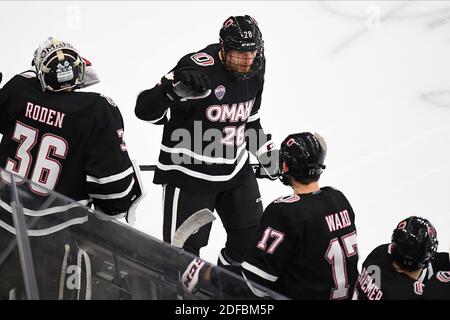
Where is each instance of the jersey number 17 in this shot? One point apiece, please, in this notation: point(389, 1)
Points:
point(336, 255)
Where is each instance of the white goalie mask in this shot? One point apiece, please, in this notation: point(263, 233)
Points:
point(58, 65)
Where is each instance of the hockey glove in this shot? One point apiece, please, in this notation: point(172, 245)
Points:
point(186, 84)
point(268, 158)
point(192, 275)
point(196, 80)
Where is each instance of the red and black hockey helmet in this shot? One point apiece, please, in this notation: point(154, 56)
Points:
point(304, 153)
point(241, 33)
point(414, 243)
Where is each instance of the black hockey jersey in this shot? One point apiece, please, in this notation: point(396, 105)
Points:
point(69, 142)
point(438, 287)
point(379, 280)
point(204, 140)
point(307, 247)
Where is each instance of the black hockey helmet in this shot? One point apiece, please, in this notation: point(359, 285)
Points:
point(58, 65)
point(414, 243)
point(241, 33)
point(304, 153)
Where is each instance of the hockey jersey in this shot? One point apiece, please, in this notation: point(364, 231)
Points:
point(69, 142)
point(379, 280)
point(438, 287)
point(307, 247)
point(204, 140)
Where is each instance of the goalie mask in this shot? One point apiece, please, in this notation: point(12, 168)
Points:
point(414, 243)
point(304, 154)
point(58, 65)
point(242, 46)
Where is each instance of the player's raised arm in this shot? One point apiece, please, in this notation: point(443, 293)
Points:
point(177, 88)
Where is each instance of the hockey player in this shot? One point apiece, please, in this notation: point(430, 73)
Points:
point(307, 241)
point(438, 287)
point(400, 270)
point(209, 105)
point(62, 140)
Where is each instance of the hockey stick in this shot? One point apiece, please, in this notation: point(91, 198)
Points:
point(153, 167)
point(191, 225)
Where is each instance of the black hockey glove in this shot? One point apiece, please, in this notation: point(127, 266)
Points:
point(268, 159)
point(196, 80)
point(186, 84)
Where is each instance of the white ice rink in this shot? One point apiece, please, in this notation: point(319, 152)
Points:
point(372, 77)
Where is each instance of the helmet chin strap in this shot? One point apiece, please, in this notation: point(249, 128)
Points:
point(223, 58)
point(222, 53)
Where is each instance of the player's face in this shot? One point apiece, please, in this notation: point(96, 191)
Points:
point(240, 61)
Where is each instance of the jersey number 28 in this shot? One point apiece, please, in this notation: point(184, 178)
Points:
point(46, 169)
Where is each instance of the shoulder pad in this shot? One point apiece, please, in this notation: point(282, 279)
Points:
point(28, 74)
point(288, 199)
point(202, 59)
point(110, 101)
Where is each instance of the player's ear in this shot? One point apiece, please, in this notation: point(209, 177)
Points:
point(285, 167)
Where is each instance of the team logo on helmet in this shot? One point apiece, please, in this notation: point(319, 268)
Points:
point(64, 72)
point(290, 142)
point(219, 92)
point(228, 22)
point(401, 225)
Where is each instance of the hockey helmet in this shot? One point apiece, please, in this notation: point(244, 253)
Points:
point(304, 153)
point(414, 243)
point(241, 33)
point(58, 65)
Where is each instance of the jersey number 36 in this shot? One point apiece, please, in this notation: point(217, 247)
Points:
point(46, 169)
